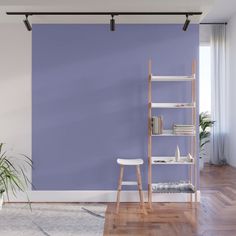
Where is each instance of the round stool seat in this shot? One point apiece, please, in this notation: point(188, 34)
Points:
point(129, 162)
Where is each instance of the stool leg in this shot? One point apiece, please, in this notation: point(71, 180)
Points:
point(140, 187)
point(119, 188)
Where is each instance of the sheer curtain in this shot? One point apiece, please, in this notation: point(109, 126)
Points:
point(218, 95)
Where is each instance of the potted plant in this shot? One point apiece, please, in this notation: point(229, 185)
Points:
point(12, 173)
point(205, 124)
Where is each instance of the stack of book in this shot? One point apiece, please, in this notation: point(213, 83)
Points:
point(183, 129)
point(157, 125)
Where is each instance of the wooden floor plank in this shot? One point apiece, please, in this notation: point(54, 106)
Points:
point(214, 216)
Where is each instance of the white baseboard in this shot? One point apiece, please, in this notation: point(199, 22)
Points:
point(99, 196)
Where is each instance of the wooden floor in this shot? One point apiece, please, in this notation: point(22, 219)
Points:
point(214, 216)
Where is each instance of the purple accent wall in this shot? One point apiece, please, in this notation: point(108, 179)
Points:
point(90, 101)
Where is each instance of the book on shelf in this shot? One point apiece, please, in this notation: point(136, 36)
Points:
point(183, 129)
point(157, 125)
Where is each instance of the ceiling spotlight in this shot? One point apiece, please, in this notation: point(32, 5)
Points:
point(27, 24)
point(186, 24)
point(112, 23)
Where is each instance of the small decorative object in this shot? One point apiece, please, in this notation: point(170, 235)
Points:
point(177, 154)
point(189, 158)
point(160, 161)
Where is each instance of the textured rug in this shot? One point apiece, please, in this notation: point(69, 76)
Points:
point(52, 219)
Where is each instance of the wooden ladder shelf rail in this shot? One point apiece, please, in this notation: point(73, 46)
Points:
point(192, 168)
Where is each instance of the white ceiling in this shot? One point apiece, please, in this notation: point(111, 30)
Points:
point(221, 11)
point(213, 10)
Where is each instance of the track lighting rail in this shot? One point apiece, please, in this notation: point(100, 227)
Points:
point(112, 14)
point(106, 13)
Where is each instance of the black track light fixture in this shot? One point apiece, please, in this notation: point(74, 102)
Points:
point(112, 14)
point(112, 23)
point(27, 24)
point(186, 23)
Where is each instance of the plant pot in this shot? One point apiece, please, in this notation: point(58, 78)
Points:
point(201, 164)
point(1, 201)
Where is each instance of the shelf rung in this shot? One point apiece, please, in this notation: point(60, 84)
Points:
point(170, 160)
point(173, 163)
point(129, 183)
point(172, 105)
point(171, 133)
point(155, 78)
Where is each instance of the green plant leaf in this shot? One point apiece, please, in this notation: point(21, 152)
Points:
point(205, 123)
point(12, 174)
point(204, 143)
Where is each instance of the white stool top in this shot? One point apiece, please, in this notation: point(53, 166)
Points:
point(130, 162)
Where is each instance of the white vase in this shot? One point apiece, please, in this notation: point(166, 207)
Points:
point(177, 154)
point(1, 201)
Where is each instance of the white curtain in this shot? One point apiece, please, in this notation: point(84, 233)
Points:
point(218, 95)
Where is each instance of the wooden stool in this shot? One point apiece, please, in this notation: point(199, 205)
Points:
point(130, 162)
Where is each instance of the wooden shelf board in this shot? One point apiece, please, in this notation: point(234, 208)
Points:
point(171, 78)
point(170, 133)
point(170, 160)
point(172, 163)
point(172, 105)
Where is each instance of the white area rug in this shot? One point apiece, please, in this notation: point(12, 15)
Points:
point(52, 219)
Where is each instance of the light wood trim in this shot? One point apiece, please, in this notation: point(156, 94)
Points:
point(119, 188)
point(149, 133)
point(194, 64)
point(139, 179)
point(194, 115)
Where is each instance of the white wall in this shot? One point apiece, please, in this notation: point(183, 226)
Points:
point(231, 62)
point(205, 38)
point(15, 88)
point(205, 34)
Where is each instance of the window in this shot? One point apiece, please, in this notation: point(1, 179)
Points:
point(205, 78)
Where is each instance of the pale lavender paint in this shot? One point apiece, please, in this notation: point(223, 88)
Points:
point(90, 100)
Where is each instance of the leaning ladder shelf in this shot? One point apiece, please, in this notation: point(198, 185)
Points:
point(155, 160)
